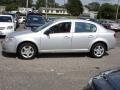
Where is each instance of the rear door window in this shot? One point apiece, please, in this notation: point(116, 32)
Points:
point(84, 27)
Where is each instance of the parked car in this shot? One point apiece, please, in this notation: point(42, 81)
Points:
point(22, 19)
point(104, 23)
point(108, 80)
point(110, 24)
point(115, 26)
point(34, 13)
point(33, 21)
point(6, 25)
point(15, 18)
point(51, 19)
point(61, 36)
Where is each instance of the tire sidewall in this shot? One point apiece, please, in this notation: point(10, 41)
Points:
point(94, 46)
point(26, 44)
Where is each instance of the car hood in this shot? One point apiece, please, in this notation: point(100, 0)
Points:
point(4, 24)
point(18, 33)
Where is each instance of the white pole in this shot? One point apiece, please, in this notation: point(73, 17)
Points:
point(46, 8)
point(54, 3)
point(26, 7)
point(27, 4)
point(117, 10)
point(64, 3)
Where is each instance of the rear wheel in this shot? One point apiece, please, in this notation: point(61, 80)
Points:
point(98, 50)
point(27, 51)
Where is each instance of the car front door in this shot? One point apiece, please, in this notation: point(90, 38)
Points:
point(83, 35)
point(57, 38)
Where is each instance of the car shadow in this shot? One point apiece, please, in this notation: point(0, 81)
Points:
point(66, 55)
point(53, 55)
point(62, 55)
point(9, 55)
point(50, 55)
point(2, 37)
point(86, 87)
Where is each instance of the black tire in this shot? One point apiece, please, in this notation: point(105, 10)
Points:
point(25, 56)
point(98, 53)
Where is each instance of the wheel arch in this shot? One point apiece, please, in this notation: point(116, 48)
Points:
point(106, 46)
point(27, 42)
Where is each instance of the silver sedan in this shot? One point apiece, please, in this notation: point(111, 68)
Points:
point(61, 36)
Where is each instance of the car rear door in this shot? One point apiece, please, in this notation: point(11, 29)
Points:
point(84, 33)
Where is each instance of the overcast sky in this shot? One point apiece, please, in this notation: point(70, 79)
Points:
point(89, 1)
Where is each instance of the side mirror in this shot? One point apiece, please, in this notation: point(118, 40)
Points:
point(47, 32)
point(33, 28)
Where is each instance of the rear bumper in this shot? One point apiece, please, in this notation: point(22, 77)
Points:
point(112, 44)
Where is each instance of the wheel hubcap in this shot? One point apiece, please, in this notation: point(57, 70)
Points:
point(99, 51)
point(27, 51)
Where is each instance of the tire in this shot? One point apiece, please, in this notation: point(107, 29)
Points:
point(27, 51)
point(98, 50)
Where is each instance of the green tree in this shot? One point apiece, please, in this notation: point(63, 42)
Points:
point(40, 3)
point(51, 3)
point(22, 3)
point(11, 7)
point(107, 11)
point(118, 17)
point(5, 2)
point(94, 6)
point(14, 4)
point(74, 7)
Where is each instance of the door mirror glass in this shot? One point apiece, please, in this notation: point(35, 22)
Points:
point(47, 32)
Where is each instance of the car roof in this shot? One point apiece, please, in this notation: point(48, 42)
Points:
point(32, 13)
point(75, 20)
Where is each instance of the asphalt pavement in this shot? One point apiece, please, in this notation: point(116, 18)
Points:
point(54, 71)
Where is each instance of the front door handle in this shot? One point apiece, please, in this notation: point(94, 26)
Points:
point(67, 37)
point(90, 36)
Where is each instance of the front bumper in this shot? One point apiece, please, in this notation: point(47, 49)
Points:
point(5, 32)
point(9, 46)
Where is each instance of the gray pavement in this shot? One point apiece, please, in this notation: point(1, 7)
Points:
point(54, 71)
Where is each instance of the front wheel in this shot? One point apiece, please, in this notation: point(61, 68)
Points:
point(27, 51)
point(98, 50)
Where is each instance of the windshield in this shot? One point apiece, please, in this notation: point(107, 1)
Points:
point(5, 19)
point(43, 26)
point(35, 19)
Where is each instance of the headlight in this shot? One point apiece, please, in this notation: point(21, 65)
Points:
point(9, 39)
point(10, 27)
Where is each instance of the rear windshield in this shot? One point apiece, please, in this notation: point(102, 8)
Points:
point(14, 16)
point(5, 19)
point(35, 19)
